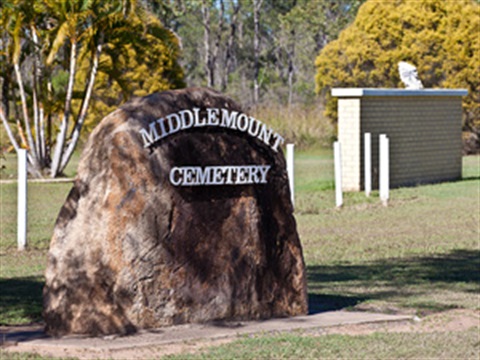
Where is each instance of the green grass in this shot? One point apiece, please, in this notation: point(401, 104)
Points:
point(421, 254)
point(20, 301)
point(436, 345)
point(21, 273)
point(441, 345)
point(8, 166)
point(4, 355)
point(297, 345)
point(44, 203)
point(420, 284)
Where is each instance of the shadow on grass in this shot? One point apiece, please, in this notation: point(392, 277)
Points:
point(458, 270)
point(470, 178)
point(21, 300)
point(321, 303)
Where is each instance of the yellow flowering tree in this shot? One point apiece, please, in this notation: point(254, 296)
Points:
point(439, 37)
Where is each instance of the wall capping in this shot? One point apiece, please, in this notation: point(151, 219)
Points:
point(362, 92)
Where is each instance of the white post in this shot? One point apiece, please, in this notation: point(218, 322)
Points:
point(384, 178)
point(290, 170)
point(337, 154)
point(368, 163)
point(22, 200)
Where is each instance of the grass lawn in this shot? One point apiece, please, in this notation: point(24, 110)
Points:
point(8, 166)
point(420, 255)
point(447, 345)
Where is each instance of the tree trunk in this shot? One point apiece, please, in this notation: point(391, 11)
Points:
point(21, 134)
point(48, 140)
point(34, 169)
point(36, 110)
point(16, 116)
point(43, 149)
point(26, 118)
point(84, 108)
point(256, 48)
point(218, 39)
point(291, 68)
point(6, 125)
point(5, 68)
point(228, 50)
point(206, 42)
point(5, 88)
point(62, 135)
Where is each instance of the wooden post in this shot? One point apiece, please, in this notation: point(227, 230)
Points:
point(337, 154)
point(290, 170)
point(22, 200)
point(368, 163)
point(384, 171)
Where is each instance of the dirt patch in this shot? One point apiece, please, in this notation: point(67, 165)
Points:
point(447, 321)
point(150, 352)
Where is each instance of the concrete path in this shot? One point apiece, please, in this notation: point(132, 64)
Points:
point(33, 339)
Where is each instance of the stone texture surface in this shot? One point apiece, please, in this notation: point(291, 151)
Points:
point(130, 251)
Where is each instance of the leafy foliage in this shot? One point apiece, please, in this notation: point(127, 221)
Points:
point(57, 55)
point(147, 63)
point(439, 37)
point(290, 32)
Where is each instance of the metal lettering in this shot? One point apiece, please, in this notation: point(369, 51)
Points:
point(149, 137)
point(219, 175)
point(186, 119)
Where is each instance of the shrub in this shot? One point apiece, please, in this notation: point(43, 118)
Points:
point(439, 37)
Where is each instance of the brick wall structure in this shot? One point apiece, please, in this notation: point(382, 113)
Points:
point(424, 128)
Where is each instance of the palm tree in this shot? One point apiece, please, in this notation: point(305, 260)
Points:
point(89, 24)
point(58, 38)
point(77, 22)
point(17, 19)
point(52, 35)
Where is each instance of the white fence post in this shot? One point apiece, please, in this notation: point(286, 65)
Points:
point(337, 154)
point(368, 163)
point(22, 200)
point(290, 171)
point(384, 171)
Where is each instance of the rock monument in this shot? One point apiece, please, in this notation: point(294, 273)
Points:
point(180, 213)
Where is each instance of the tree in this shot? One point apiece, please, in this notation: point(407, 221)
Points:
point(304, 30)
point(439, 37)
point(256, 50)
point(142, 67)
point(48, 42)
point(257, 4)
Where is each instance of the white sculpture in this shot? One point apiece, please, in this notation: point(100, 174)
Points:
point(409, 76)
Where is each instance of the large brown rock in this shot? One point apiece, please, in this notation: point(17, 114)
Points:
point(131, 251)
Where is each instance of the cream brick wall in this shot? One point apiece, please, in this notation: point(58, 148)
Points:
point(424, 133)
point(348, 136)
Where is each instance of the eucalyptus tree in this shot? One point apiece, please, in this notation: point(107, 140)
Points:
point(255, 50)
point(304, 29)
